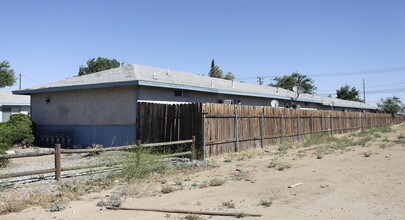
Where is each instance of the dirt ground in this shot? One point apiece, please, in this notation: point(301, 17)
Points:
point(359, 183)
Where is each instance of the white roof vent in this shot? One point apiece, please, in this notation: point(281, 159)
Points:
point(154, 74)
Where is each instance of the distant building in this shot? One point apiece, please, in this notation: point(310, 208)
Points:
point(102, 107)
point(12, 104)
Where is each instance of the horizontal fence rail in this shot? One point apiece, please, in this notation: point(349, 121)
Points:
point(58, 161)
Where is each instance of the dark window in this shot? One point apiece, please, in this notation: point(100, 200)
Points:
point(178, 93)
point(182, 93)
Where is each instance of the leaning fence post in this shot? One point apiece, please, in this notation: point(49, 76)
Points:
point(236, 132)
point(262, 129)
point(58, 166)
point(192, 157)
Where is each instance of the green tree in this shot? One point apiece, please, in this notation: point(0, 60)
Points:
point(391, 105)
point(7, 75)
point(295, 79)
point(347, 93)
point(215, 71)
point(96, 65)
point(229, 76)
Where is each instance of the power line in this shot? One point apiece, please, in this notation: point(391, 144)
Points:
point(33, 80)
point(375, 71)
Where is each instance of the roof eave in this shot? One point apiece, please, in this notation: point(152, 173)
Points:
point(75, 87)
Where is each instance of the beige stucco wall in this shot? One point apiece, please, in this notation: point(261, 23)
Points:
point(84, 107)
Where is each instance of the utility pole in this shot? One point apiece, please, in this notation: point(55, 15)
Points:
point(364, 91)
point(260, 80)
point(19, 79)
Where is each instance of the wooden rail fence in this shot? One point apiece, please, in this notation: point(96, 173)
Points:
point(58, 161)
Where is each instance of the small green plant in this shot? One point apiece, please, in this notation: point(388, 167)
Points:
point(283, 148)
point(57, 206)
point(140, 163)
point(217, 181)
point(266, 203)
point(401, 139)
point(167, 189)
point(229, 204)
point(278, 165)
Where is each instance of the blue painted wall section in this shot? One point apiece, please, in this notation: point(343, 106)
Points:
point(79, 136)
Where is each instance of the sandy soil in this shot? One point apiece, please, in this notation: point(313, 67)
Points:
point(342, 185)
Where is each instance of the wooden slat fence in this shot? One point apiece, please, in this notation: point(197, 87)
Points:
point(232, 128)
point(221, 128)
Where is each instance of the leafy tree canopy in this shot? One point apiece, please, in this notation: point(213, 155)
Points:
point(391, 105)
point(215, 71)
point(347, 93)
point(295, 79)
point(96, 65)
point(7, 75)
point(229, 76)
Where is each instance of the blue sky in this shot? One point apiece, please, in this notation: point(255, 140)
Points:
point(48, 40)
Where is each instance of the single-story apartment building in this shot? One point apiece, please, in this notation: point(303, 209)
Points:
point(12, 104)
point(102, 107)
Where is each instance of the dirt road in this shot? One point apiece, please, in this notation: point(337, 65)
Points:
point(357, 183)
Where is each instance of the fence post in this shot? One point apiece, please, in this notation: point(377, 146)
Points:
point(298, 125)
point(282, 128)
point(58, 166)
point(331, 124)
point(203, 135)
point(339, 128)
point(345, 123)
point(236, 132)
point(321, 122)
point(312, 123)
point(192, 148)
point(262, 128)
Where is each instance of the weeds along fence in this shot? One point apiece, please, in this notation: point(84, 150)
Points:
point(221, 128)
point(58, 158)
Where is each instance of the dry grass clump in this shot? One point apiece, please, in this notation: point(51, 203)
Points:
point(266, 203)
point(278, 165)
point(217, 181)
point(193, 217)
point(167, 189)
point(229, 204)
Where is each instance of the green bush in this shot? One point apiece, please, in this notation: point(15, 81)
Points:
point(18, 130)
